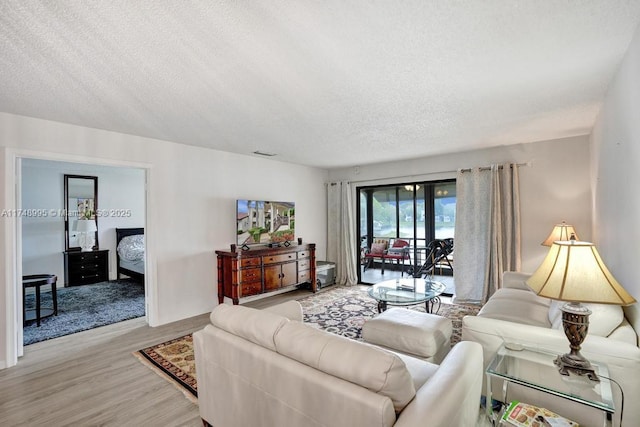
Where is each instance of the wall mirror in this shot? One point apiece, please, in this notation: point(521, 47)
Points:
point(80, 206)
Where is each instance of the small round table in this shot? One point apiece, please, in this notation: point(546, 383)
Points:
point(410, 291)
point(36, 281)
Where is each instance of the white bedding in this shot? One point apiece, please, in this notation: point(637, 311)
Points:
point(131, 248)
point(137, 266)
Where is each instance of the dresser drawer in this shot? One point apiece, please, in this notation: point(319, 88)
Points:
point(250, 262)
point(87, 268)
point(303, 254)
point(85, 257)
point(304, 276)
point(83, 278)
point(279, 258)
point(304, 264)
point(247, 289)
point(250, 275)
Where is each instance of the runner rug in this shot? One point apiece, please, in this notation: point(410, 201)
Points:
point(340, 310)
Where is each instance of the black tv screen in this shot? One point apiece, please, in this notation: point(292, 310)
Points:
point(261, 222)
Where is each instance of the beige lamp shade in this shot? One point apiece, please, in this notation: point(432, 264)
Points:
point(562, 232)
point(573, 271)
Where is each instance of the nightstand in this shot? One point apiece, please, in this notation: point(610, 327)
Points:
point(83, 268)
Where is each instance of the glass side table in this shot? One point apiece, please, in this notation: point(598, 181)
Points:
point(534, 368)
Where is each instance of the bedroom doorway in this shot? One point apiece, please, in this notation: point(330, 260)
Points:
point(90, 292)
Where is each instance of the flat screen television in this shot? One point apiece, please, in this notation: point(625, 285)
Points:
point(260, 222)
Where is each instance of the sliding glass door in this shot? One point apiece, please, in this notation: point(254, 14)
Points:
point(417, 213)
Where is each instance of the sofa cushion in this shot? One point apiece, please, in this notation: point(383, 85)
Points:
point(518, 306)
point(257, 326)
point(604, 318)
point(292, 310)
point(555, 314)
point(624, 333)
point(378, 248)
point(378, 370)
point(515, 280)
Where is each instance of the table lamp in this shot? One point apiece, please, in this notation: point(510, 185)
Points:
point(88, 228)
point(562, 231)
point(574, 272)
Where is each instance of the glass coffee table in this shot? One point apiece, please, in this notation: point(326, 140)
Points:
point(411, 291)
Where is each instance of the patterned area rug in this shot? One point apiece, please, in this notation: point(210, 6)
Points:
point(340, 310)
point(344, 310)
point(174, 361)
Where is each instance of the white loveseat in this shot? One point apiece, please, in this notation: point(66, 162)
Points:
point(260, 368)
point(516, 314)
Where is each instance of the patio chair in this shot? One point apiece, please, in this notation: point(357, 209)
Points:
point(399, 252)
point(437, 252)
point(377, 250)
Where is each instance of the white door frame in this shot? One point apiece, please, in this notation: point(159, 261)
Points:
point(13, 255)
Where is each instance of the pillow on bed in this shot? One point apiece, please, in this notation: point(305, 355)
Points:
point(131, 248)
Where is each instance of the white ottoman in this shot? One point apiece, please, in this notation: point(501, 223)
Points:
point(422, 335)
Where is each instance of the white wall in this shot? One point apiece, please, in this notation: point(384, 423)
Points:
point(191, 203)
point(119, 188)
point(616, 161)
point(554, 187)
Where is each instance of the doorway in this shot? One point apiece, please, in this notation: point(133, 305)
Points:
point(118, 201)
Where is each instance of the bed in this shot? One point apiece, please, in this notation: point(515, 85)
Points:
point(130, 253)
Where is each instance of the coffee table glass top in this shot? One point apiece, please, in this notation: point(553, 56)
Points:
point(534, 368)
point(406, 291)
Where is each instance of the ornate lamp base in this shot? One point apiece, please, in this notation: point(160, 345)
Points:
point(566, 364)
point(575, 321)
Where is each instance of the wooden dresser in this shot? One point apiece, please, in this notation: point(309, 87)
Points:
point(83, 268)
point(262, 270)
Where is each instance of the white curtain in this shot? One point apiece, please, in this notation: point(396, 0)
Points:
point(341, 247)
point(487, 238)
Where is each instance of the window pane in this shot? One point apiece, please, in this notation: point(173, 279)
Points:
point(363, 213)
point(445, 210)
point(420, 215)
point(384, 213)
point(405, 195)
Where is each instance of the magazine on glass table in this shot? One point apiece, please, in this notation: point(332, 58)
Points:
point(524, 415)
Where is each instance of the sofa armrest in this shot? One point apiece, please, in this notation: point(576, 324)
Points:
point(491, 333)
point(515, 280)
point(292, 310)
point(451, 397)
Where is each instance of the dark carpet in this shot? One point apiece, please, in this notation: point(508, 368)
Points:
point(86, 307)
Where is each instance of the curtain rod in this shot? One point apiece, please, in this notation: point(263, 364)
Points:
point(486, 168)
point(423, 174)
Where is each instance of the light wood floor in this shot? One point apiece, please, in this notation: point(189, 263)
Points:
point(91, 378)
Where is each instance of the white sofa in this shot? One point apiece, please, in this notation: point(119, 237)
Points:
point(260, 368)
point(516, 314)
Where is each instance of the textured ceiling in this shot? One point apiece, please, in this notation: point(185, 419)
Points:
point(322, 83)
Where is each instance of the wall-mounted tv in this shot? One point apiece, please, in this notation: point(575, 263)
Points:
point(261, 222)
